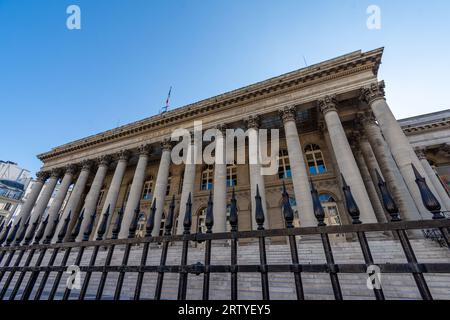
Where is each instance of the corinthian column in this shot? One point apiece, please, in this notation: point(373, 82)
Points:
point(188, 186)
point(397, 141)
point(32, 197)
point(345, 159)
point(114, 188)
point(135, 190)
point(445, 200)
point(90, 203)
point(45, 196)
point(220, 183)
point(302, 190)
point(75, 198)
point(256, 178)
point(59, 198)
point(161, 184)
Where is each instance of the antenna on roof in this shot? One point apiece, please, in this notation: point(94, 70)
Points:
point(304, 60)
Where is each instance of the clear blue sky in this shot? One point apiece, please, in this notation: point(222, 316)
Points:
point(58, 85)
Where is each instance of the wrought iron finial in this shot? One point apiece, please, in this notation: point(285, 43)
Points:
point(13, 233)
point(169, 220)
point(209, 219)
point(134, 223)
point(319, 213)
point(151, 220)
point(31, 232)
point(259, 212)
point(65, 226)
point(52, 231)
point(388, 202)
point(76, 230)
point(233, 212)
point(23, 231)
point(41, 231)
point(103, 224)
point(187, 222)
point(429, 200)
point(2, 225)
point(287, 209)
point(350, 203)
point(5, 233)
point(90, 226)
point(118, 224)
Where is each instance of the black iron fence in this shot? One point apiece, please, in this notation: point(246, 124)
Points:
point(24, 275)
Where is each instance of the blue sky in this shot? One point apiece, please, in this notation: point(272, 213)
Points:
point(58, 85)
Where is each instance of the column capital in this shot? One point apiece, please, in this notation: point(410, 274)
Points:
point(372, 92)
point(221, 127)
point(104, 161)
point(86, 165)
point(253, 122)
point(42, 176)
point(56, 173)
point(166, 145)
point(123, 155)
point(420, 153)
point(288, 113)
point(71, 169)
point(144, 150)
point(327, 104)
point(366, 118)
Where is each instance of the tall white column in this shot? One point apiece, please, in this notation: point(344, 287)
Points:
point(161, 184)
point(135, 190)
point(32, 196)
point(188, 186)
point(75, 198)
point(399, 145)
point(114, 188)
point(220, 183)
point(302, 189)
point(256, 178)
point(44, 197)
point(389, 169)
point(90, 203)
point(345, 159)
point(59, 198)
point(445, 200)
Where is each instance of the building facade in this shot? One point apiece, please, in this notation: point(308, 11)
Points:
point(333, 120)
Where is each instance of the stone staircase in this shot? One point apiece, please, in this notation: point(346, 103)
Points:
point(316, 286)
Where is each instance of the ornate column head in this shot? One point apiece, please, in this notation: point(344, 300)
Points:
point(123, 155)
point(221, 127)
point(144, 150)
point(327, 104)
point(445, 148)
point(253, 122)
point(42, 176)
point(366, 118)
point(166, 145)
point(372, 92)
point(56, 173)
point(421, 154)
point(104, 161)
point(86, 165)
point(71, 169)
point(288, 114)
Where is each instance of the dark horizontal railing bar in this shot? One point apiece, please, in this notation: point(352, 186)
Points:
point(370, 227)
point(394, 268)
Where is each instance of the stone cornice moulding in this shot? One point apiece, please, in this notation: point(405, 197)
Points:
point(351, 63)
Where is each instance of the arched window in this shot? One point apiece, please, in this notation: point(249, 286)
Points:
point(207, 177)
point(284, 167)
point(231, 175)
point(148, 189)
point(329, 205)
point(314, 159)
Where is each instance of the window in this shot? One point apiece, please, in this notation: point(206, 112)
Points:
point(314, 159)
point(207, 177)
point(148, 189)
point(161, 226)
point(201, 221)
point(169, 180)
point(330, 208)
point(284, 169)
point(231, 175)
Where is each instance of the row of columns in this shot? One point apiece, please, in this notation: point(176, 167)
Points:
point(383, 147)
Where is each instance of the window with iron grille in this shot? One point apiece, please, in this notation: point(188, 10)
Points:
point(284, 167)
point(207, 178)
point(314, 159)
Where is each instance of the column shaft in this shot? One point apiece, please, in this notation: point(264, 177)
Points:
point(220, 185)
point(32, 197)
point(161, 187)
point(188, 188)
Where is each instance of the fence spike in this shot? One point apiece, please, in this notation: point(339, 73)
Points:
point(90, 227)
point(62, 232)
point(23, 231)
point(103, 224)
point(52, 231)
point(209, 219)
point(5, 233)
point(350, 203)
point(429, 200)
point(40, 233)
point(288, 213)
point(187, 222)
point(134, 223)
point(233, 212)
point(169, 220)
point(117, 224)
point(259, 212)
point(388, 202)
point(31, 232)
point(13, 234)
point(151, 220)
point(2, 225)
point(319, 213)
point(76, 230)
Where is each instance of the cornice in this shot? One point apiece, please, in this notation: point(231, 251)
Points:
point(345, 65)
point(413, 129)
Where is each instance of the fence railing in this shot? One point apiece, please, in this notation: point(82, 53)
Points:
point(24, 274)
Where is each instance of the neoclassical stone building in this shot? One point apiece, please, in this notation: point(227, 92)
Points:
point(334, 121)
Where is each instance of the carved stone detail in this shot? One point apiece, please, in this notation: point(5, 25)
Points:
point(327, 104)
point(288, 114)
point(123, 155)
point(166, 145)
point(253, 122)
point(373, 92)
point(42, 176)
point(71, 169)
point(421, 154)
